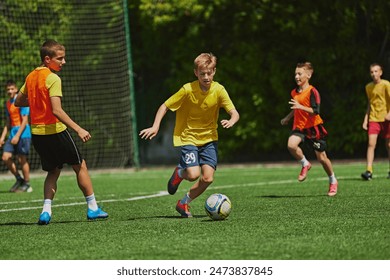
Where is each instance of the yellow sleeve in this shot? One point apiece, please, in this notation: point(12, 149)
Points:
point(226, 102)
point(23, 89)
point(175, 101)
point(53, 84)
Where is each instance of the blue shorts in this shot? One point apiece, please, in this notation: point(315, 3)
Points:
point(198, 156)
point(22, 148)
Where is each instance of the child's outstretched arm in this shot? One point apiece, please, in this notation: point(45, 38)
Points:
point(22, 126)
point(234, 117)
point(4, 133)
point(64, 117)
point(149, 133)
point(387, 117)
point(287, 118)
point(365, 120)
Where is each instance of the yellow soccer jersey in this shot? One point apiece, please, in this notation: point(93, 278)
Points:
point(197, 113)
point(379, 97)
point(40, 85)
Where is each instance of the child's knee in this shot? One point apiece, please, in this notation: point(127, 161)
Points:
point(207, 179)
point(291, 146)
point(322, 158)
point(5, 157)
point(192, 175)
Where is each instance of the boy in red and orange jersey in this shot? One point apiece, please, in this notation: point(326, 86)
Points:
point(42, 91)
point(308, 125)
point(19, 140)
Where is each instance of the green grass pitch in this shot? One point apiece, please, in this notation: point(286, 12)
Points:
point(274, 217)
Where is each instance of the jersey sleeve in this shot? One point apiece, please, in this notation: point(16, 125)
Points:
point(226, 102)
point(176, 100)
point(25, 111)
point(23, 89)
point(315, 101)
point(53, 83)
point(388, 96)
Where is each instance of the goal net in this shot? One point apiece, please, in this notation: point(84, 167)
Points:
point(97, 78)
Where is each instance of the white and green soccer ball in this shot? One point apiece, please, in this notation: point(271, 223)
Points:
point(218, 206)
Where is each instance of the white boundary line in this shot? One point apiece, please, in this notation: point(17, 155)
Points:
point(161, 193)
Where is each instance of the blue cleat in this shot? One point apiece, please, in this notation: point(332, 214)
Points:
point(98, 214)
point(44, 219)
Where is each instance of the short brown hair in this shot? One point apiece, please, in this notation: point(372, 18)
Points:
point(49, 49)
point(206, 60)
point(10, 83)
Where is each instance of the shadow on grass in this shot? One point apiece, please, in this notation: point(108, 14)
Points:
point(215, 221)
point(52, 222)
point(353, 179)
point(289, 196)
point(165, 217)
point(194, 217)
point(17, 224)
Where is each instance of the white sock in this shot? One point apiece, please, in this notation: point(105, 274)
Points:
point(47, 206)
point(304, 161)
point(332, 179)
point(91, 201)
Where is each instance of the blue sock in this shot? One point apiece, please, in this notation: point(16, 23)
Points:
point(180, 173)
point(186, 199)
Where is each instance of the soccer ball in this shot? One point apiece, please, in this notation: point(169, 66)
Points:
point(218, 206)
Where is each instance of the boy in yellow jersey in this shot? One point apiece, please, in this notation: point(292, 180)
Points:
point(197, 106)
point(308, 126)
point(42, 91)
point(377, 118)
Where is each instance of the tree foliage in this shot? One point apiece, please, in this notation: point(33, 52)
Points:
point(258, 44)
point(95, 80)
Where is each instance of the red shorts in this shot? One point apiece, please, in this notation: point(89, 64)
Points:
point(379, 128)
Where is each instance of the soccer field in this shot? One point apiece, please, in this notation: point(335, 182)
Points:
point(274, 217)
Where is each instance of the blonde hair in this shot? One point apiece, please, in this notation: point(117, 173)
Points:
point(207, 60)
point(307, 65)
point(376, 64)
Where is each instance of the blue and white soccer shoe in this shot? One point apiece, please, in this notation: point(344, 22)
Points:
point(44, 218)
point(98, 214)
